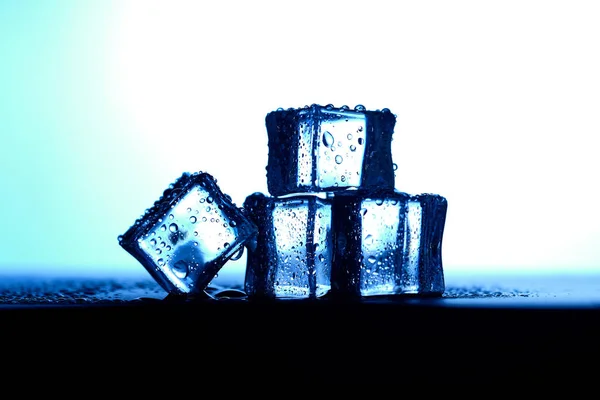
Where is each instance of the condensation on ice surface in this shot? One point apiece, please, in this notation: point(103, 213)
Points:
point(292, 257)
point(324, 148)
point(189, 234)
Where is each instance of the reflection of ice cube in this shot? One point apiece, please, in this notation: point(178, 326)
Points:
point(323, 148)
point(292, 255)
point(388, 243)
point(189, 234)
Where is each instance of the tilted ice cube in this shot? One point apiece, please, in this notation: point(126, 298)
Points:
point(185, 238)
point(323, 148)
point(388, 243)
point(292, 254)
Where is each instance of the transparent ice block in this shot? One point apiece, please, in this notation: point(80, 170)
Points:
point(185, 238)
point(388, 243)
point(324, 148)
point(291, 257)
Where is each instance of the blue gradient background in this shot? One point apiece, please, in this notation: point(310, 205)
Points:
point(104, 103)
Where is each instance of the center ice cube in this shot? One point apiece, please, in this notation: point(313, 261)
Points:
point(292, 254)
point(324, 148)
point(189, 234)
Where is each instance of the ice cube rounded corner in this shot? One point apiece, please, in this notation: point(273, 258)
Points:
point(188, 234)
point(325, 148)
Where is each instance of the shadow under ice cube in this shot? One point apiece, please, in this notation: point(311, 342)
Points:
point(185, 238)
point(388, 243)
point(323, 148)
point(291, 257)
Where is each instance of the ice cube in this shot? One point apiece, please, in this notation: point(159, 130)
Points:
point(388, 243)
point(292, 254)
point(185, 238)
point(323, 148)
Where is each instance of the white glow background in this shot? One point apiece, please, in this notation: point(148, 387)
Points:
point(104, 103)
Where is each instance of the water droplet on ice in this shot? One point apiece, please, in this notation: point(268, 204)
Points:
point(359, 107)
point(193, 219)
point(180, 269)
point(372, 259)
point(338, 159)
point(328, 139)
point(352, 147)
point(174, 227)
point(369, 239)
point(238, 254)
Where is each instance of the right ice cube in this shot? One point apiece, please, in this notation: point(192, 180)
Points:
point(324, 148)
point(387, 243)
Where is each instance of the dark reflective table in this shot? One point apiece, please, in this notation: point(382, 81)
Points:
point(504, 324)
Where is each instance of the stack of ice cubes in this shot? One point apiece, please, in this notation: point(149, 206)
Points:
point(334, 222)
point(332, 225)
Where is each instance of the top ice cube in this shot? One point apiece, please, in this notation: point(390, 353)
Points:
point(326, 149)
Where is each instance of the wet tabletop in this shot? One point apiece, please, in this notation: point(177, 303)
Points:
point(481, 323)
point(487, 291)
